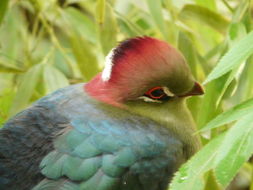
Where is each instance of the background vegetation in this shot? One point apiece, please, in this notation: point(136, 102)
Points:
point(48, 44)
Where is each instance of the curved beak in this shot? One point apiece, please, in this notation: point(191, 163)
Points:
point(195, 91)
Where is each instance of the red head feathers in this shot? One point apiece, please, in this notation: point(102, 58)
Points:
point(136, 66)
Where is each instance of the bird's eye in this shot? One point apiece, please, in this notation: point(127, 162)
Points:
point(157, 93)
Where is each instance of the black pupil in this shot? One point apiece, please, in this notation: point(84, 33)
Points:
point(157, 93)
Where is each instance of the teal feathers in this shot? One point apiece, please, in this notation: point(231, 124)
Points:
point(128, 131)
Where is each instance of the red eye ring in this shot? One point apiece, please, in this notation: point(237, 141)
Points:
point(150, 93)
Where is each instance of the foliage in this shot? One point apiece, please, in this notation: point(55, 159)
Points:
point(46, 45)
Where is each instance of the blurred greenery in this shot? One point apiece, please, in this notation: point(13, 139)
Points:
point(46, 45)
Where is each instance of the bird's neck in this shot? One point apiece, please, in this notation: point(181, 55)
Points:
point(176, 117)
point(102, 92)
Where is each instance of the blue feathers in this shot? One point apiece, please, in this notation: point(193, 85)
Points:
point(101, 154)
point(83, 145)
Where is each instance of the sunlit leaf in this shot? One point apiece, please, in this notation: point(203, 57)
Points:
point(190, 175)
point(85, 56)
point(53, 79)
point(127, 25)
point(100, 9)
point(234, 150)
point(10, 32)
point(26, 88)
point(107, 30)
point(155, 8)
point(6, 99)
point(185, 46)
point(230, 115)
point(80, 23)
point(211, 4)
point(204, 16)
point(212, 93)
point(241, 10)
point(236, 32)
point(234, 57)
point(247, 79)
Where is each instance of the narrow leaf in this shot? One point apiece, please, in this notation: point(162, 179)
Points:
point(79, 23)
point(108, 30)
point(235, 150)
point(6, 100)
point(86, 58)
point(241, 10)
point(204, 16)
point(211, 4)
point(186, 47)
point(212, 93)
point(155, 8)
point(129, 26)
point(8, 68)
point(54, 79)
point(232, 114)
point(190, 175)
point(100, 9)
point(3, 8)
point(233, 58)
point(26, 88)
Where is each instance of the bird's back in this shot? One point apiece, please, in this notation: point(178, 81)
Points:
point(85, 145)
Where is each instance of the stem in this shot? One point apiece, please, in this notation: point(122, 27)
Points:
point(55, 41)
point(227, 5)
point(251, 183)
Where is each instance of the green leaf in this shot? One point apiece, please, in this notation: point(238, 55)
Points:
point(54, 79)
point(13, 53)
point(190, 175)
point(234, 150)
point(189, 52)
point(100, 9)
point(211, 4)
point(236, 32)
point(3, 8)
point(247, 79)
point(204, 16)
point(232, 114)
point(8, 68)
point(107, 30)
point(241, 10)
point(26, 88)
point(80, 23)
point(233, 58)
point(155, 8)
point(127, 25)
point(228, 82)
point(6, 99)
point(85, 56)
point(212, 93)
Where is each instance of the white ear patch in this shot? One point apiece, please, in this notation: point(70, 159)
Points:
point(106, 74)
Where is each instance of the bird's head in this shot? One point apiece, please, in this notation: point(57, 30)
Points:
point(143, 69)
point(149, 77)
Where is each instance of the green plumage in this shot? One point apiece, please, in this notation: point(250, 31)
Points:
point(107, 137)
point(57, 185)
point(127, 152)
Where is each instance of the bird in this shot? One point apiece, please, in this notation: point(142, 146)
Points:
point(128, 128)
